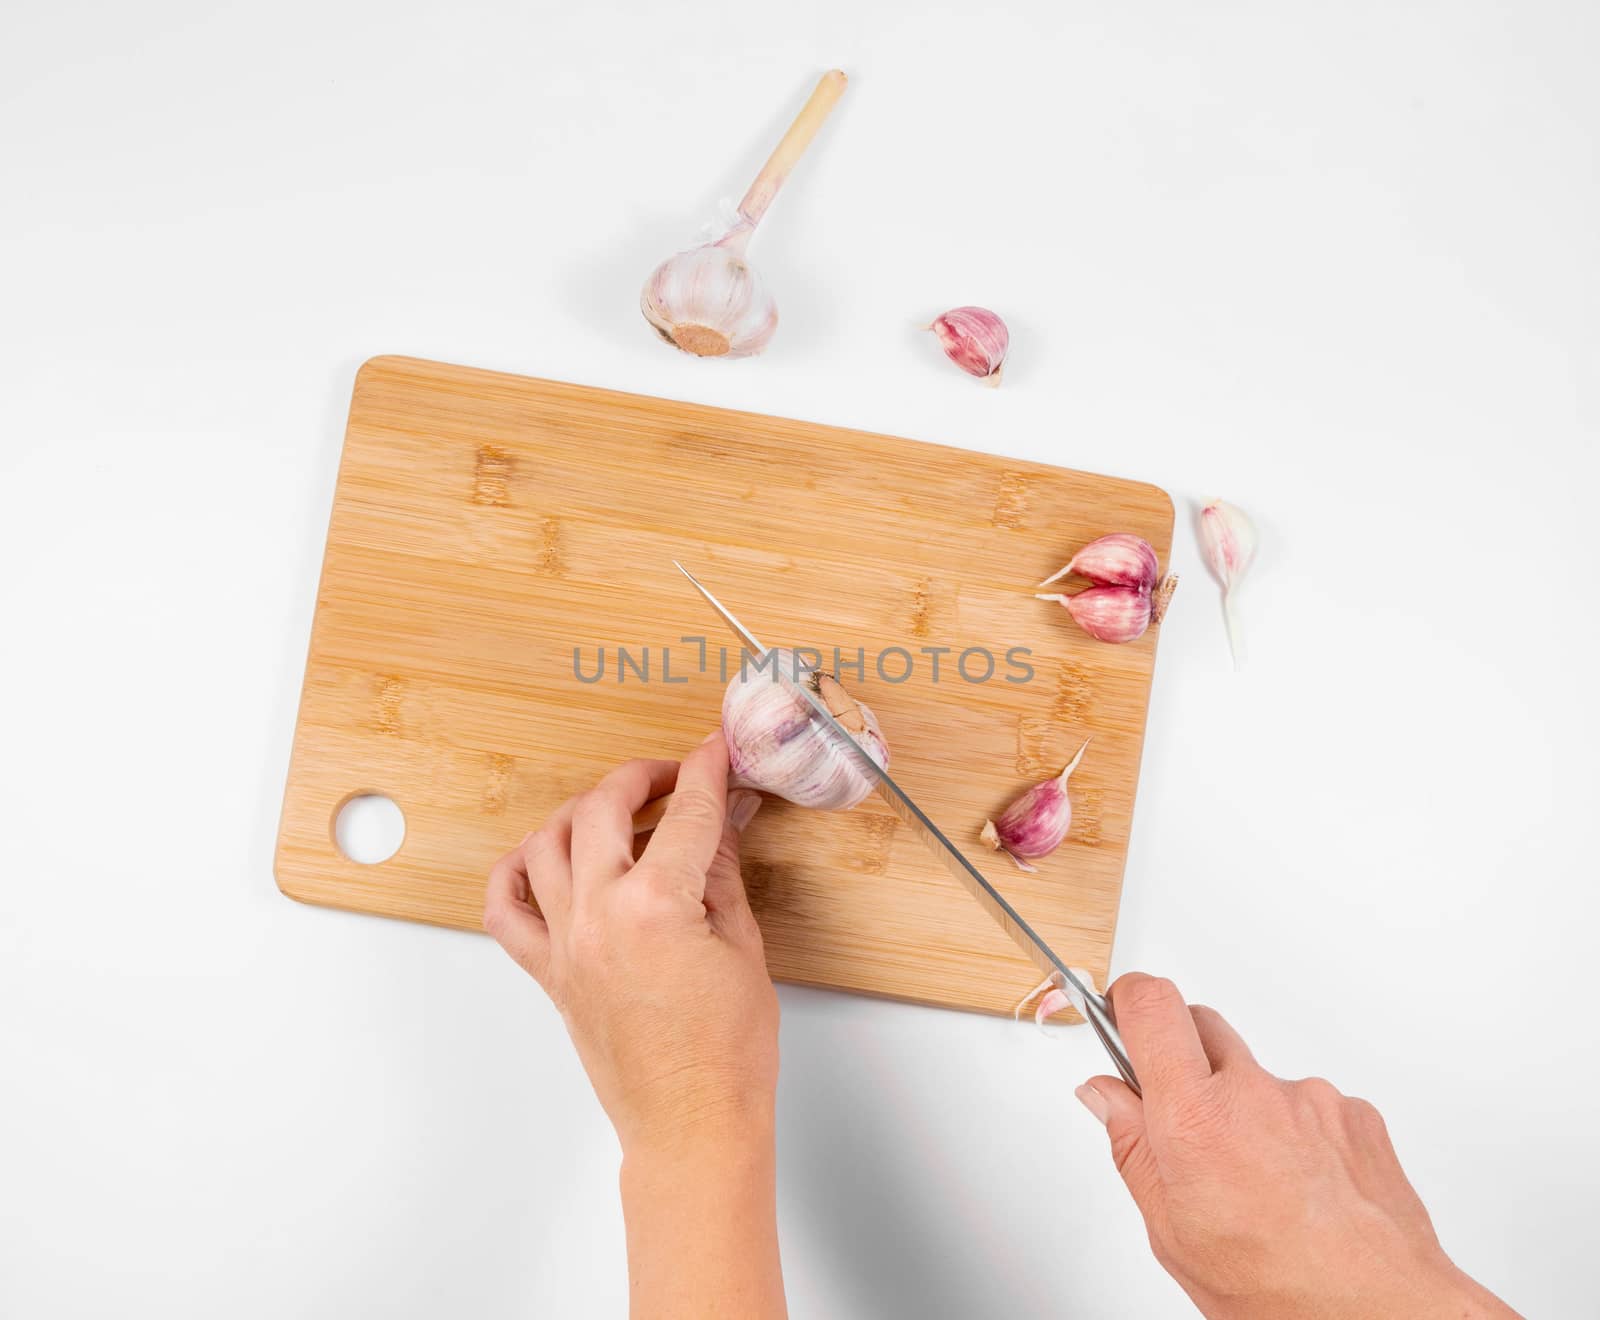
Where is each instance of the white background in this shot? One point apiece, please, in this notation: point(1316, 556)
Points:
point(1335, 263)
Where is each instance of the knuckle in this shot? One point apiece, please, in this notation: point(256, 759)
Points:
point(1319, 1095)
point(1124, 1147)
point(697, 803)
point(586, 803)
point(1318, 1090)
point(612, 780)
point(1365, 1119)
point(1140, 994)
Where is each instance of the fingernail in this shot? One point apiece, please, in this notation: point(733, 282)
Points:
point(1094, 1102)
point(711, 735)
point(742, 807)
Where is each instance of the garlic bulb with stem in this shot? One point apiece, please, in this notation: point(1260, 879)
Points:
point(1037, 822)
point(709, 301)
point(775, 743)
point(975, 339)
point(1229, 539)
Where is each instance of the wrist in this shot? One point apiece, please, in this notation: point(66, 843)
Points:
point(705, 1144)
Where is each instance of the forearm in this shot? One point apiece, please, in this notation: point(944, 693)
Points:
point(703, 1228)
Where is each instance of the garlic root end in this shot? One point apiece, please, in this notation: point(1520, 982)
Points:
point(1161, 597)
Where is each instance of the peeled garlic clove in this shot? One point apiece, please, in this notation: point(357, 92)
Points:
point(1118, 560)
point(975, 339)
point(1108, 614)
point(1036, 823)
point(709, 301)
point(775, 744)
point(1228, 538)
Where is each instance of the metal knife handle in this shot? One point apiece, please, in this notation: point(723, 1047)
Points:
point(1097, 1008)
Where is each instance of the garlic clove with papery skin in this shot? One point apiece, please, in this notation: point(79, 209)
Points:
point(1118, 560)
point(775, 743)
point(709, 301)
point(975, 339)
point(1228, 538)
point(1037, 822)
point(1058, 993)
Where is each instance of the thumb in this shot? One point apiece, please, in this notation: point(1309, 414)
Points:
point(1111, 1101)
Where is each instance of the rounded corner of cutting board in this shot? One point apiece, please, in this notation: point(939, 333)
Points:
point(380, 363)
point(290, 884)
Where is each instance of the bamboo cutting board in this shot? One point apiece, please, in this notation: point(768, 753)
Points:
point(493, 537)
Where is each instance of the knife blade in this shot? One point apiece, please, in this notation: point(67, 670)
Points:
point(1095, 1008)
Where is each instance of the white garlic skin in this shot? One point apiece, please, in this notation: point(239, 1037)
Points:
point(1228, 538)
point(775, 744)
point(709, 301)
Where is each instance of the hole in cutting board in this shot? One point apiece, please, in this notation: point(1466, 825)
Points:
point(369, 828)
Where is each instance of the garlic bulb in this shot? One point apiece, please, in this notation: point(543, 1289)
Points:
point(1037, 822)
point(709, 301)
point(1229, 539)
point(775, 744)
point(975, 339)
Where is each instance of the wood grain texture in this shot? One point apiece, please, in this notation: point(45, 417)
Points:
point(485, 526)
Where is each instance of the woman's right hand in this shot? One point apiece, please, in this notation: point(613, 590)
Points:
point(1264, 1197)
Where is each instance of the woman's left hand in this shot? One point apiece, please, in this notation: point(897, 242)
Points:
point(656, 965)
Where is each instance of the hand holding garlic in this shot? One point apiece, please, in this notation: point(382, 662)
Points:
point(657, 968)
point(709, 301)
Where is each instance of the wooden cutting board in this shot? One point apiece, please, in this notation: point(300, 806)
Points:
point(487, 528)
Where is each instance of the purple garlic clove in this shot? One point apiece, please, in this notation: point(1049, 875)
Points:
point(1108, 614)
point(1118, 560)
point(975, 339)
point(1036, 823)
